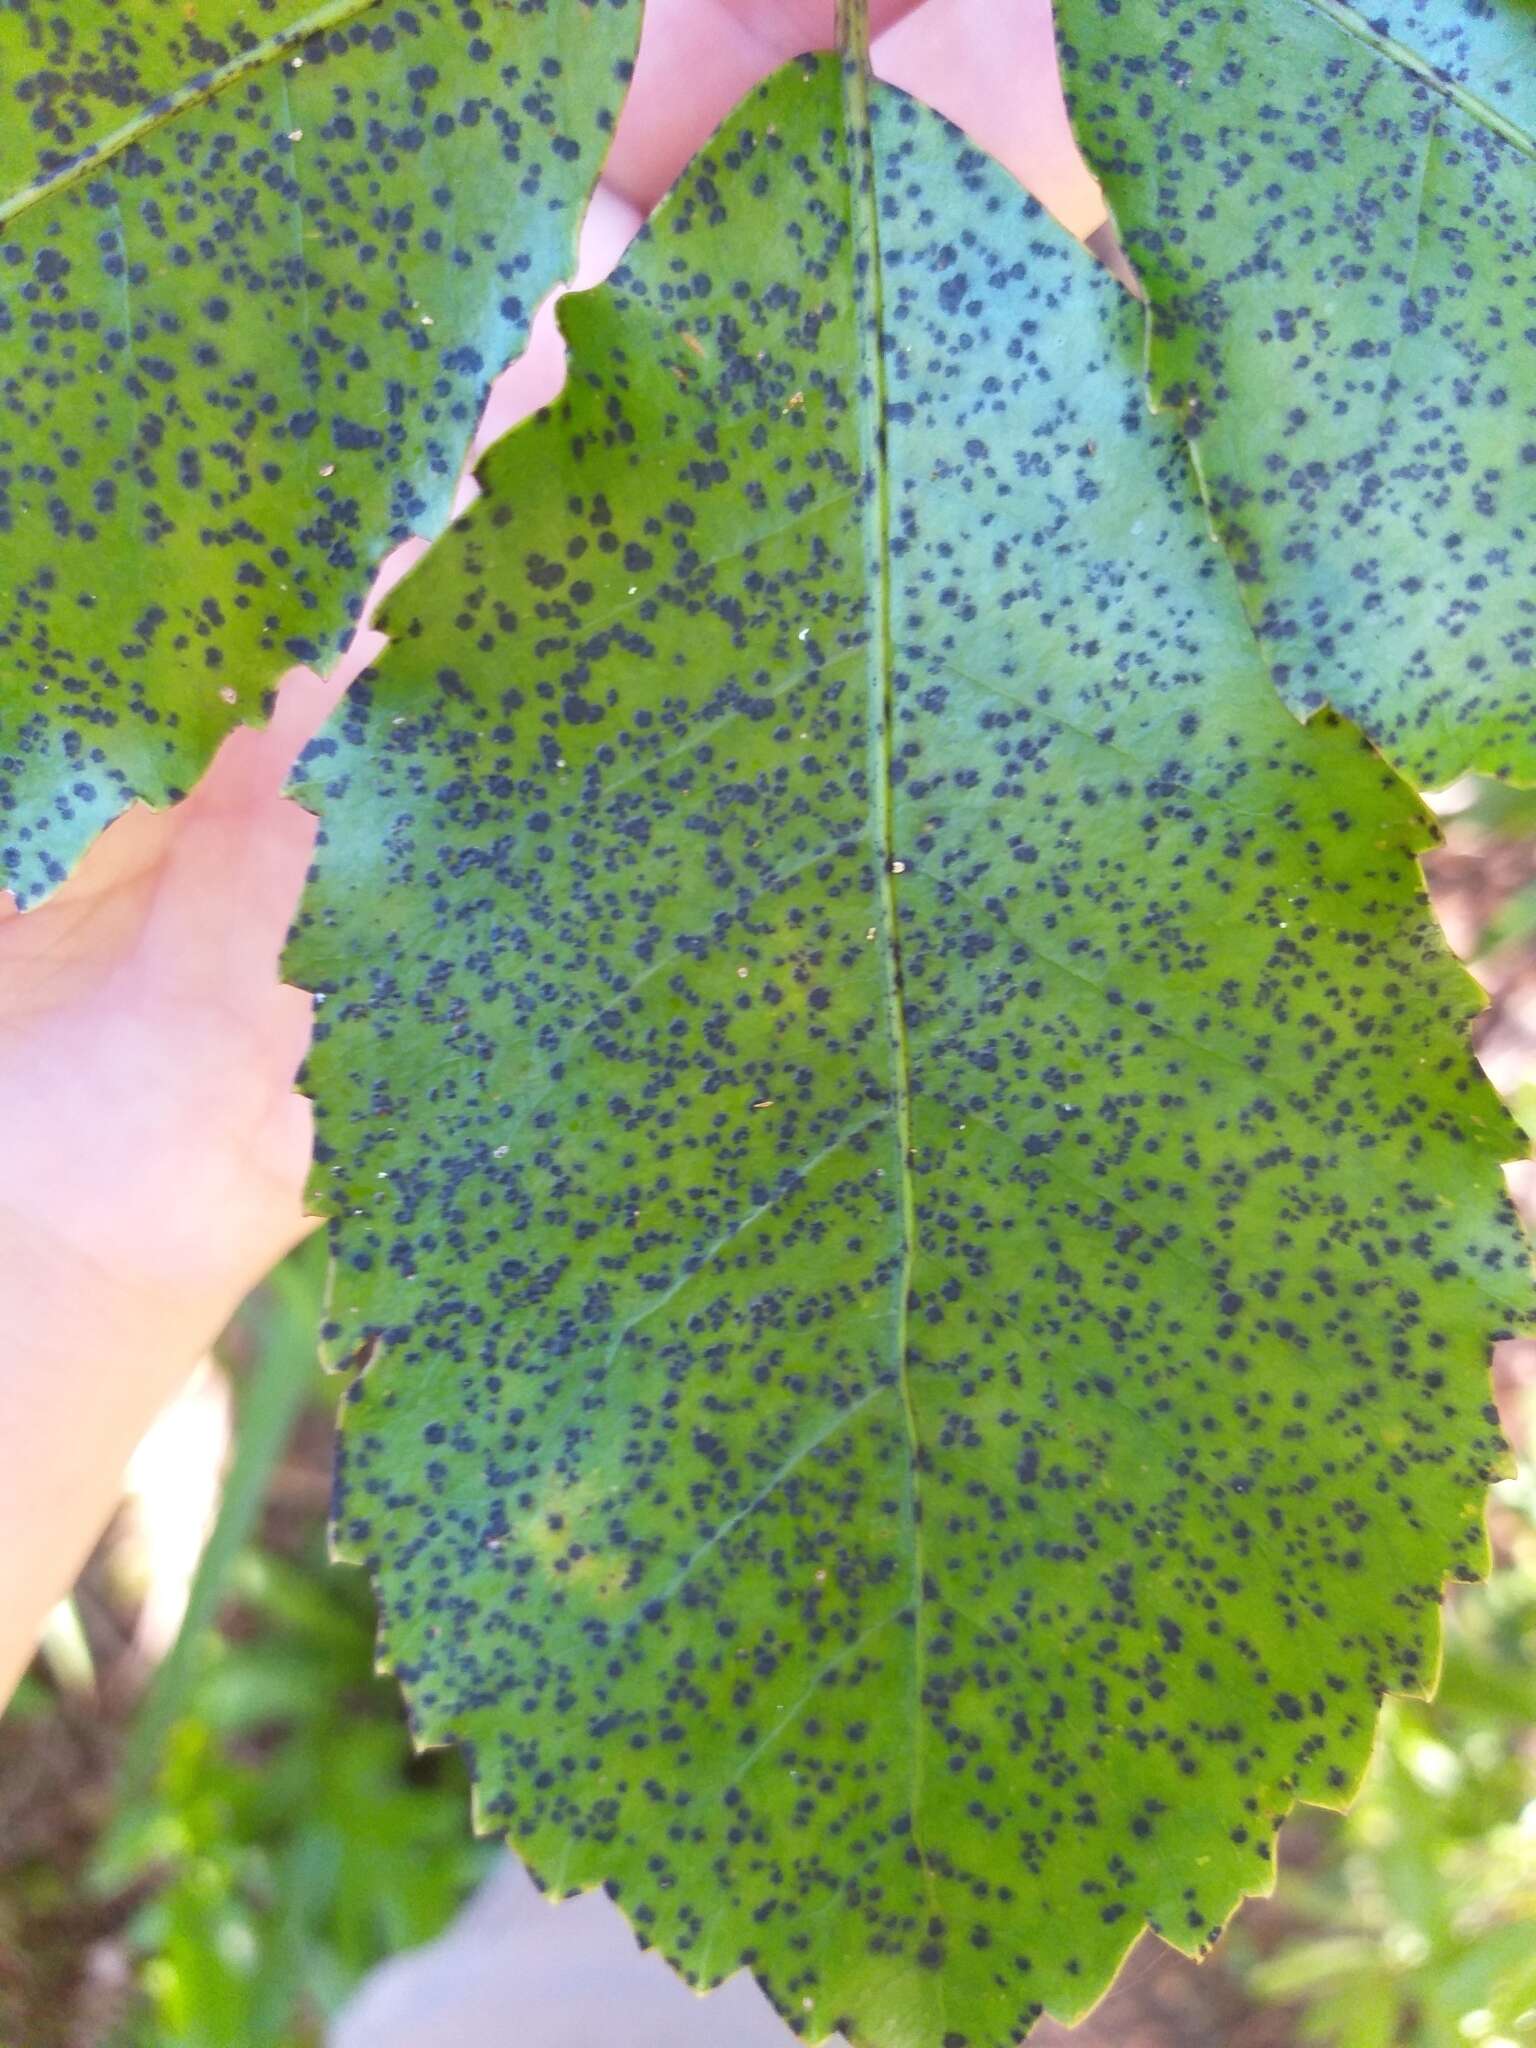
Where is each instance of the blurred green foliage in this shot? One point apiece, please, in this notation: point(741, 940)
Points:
point(1418, 1927)
point(294, 1838)
point(1501, 810)
point(270, 1800)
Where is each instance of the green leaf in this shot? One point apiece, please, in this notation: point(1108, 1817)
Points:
point(261, 265)
point(916, 1221)
point(1332, 218)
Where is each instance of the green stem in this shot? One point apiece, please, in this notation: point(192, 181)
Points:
point(853, 33)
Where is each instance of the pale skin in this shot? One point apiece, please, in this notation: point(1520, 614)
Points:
point(155, 1149)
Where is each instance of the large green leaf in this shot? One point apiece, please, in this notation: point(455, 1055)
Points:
point(908, 1172)
point(258, 264)
point(1334, 217)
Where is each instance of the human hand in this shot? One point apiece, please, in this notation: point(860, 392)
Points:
point(155, 1150)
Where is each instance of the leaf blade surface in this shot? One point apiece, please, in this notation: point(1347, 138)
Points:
point(904, 1507)
point(258, 281)
point(1331, 216)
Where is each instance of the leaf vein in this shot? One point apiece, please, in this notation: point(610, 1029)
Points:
point(206, 86)
point(1350, 24)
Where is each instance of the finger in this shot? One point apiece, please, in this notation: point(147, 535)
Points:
point(990, 66)
point(697, 59)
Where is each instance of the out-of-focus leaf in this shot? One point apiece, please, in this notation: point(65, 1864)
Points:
point(1302, 1966)
point(284, 1317)
point(291, 1840)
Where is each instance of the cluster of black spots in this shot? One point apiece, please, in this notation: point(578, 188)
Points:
point(900, 1124)
point(252, 293)
point(1331, 211)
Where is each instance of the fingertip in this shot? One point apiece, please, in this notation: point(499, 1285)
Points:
point(993, 71)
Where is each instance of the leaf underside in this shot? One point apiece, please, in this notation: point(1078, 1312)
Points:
point(252, 291)
point(902, 1137)
point(1334, 219)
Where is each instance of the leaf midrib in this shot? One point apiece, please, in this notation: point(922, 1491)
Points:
point(1351, 24)
point(864, 222)
point(205, 86)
